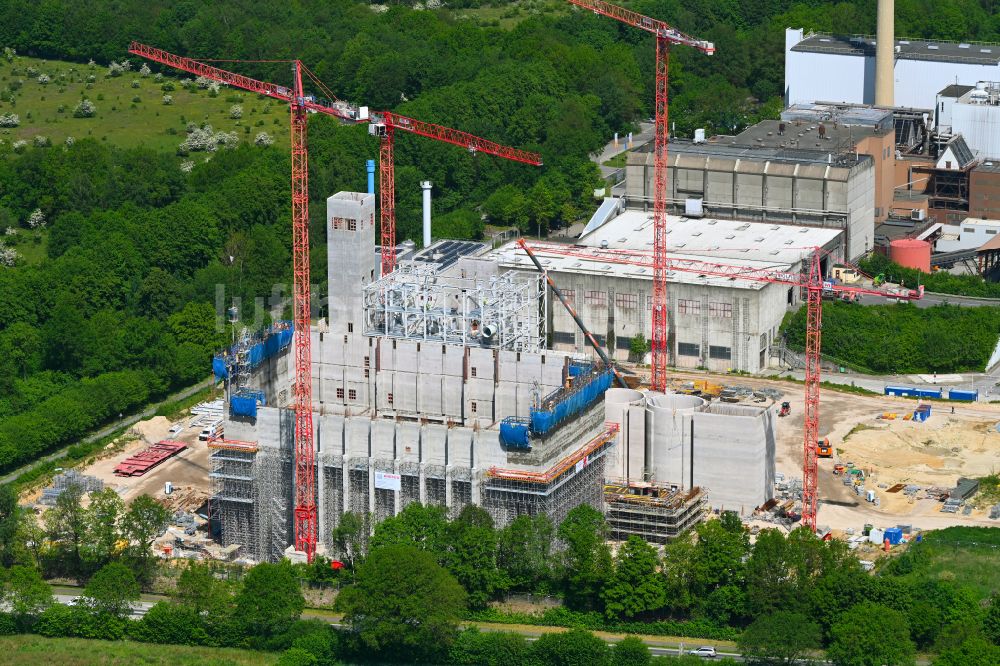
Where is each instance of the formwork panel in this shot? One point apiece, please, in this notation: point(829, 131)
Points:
point(358, 491)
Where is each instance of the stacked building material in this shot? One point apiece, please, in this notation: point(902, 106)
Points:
point(67, 479)
point(148, 458)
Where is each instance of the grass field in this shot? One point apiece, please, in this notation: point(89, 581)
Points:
point(509, 15)
point(120, 119)
point(32, 650)
point(967, 555)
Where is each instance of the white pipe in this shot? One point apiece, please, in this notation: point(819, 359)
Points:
point(426, 186)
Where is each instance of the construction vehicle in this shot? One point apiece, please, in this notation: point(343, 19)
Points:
point(823, 448)
point(786, 409)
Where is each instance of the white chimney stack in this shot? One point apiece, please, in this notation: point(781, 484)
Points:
point(885, 54)
point(426, 187)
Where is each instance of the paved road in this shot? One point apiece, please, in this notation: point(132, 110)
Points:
point(931, 299)
point(104, 432)
point(643, 136)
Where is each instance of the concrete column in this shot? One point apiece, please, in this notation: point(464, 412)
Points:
point(885, 54)
point(426, 185)
point(423, 483)
point(371, 485)
point(345, 478)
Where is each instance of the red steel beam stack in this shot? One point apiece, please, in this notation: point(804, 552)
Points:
point(147, 459)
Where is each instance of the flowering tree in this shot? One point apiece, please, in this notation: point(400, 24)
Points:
point(135, 83)
point(205, 139)
point(203, 82)
point(85, 109)
point(186, 166)
point(263, 139)
point(37, 219)
point(236, 111)
point(70, 141)
point(168, 100)
point(44, 79)
point(41, 141)
point(8, 256)
point(10, 120)
point(9, 54)
point(145, 70)
point(114, 69)
point(19, 146)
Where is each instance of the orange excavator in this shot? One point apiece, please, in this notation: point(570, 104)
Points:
point(823, 448)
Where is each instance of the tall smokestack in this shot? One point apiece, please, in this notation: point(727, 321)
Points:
point(426, 187)
point(885, 54)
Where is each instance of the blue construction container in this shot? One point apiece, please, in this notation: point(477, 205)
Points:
point(911, 392)
point(963, 395)
point(515, 433)
point(894, 535)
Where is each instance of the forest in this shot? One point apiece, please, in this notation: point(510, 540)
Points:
point(404, 589)
point(131, 254)
point(898, 339)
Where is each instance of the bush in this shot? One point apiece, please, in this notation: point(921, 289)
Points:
point(473, 647)
point(170, 623)
point(8, 625)
point(575, 647)
point(85, 109)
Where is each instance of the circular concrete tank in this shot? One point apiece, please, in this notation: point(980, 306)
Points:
point(668, 426)
point(617, 400)
point(911, 253)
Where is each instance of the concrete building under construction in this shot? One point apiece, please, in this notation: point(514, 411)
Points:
point(430, 384)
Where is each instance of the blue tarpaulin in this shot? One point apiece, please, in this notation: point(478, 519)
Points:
point(563, 404)
point(245, 403)
point(514, 433)
point(274, 339)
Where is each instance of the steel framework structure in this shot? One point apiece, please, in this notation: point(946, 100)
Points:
point(300, 105)
point(665, 36)
point(418, 302)
point(383, 125)
point(811, 282)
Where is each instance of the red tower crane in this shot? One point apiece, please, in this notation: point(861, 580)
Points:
point(811, 282)
point(305, 452)
point(383, 124)
point(665, 36)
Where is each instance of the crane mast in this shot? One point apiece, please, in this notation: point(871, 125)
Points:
point(811, 283)
point(665, 35)
point(384, 124)
point(305, 449)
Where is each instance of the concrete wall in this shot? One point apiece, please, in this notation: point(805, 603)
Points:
point(729, 450)
point(979, 125)
point(740, 323)
point(763, 190)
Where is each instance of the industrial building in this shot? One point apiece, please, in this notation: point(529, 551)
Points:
point(838, 68)
point(789, 180)
point(715, 322)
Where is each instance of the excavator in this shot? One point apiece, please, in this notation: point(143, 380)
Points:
point(823, 448)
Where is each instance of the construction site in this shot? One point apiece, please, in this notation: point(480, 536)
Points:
point(509, 378)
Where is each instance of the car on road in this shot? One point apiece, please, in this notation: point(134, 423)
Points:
point(704, 651)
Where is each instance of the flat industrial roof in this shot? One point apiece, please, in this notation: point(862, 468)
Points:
point(844, 113)
point(906, 49)
point(512, 256)
point(721, 240)
point(722, 147)
point(956, 90)
point(835, 138)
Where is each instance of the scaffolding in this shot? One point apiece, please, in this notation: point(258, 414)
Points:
point(654, 513)
point(574, 480)
point(420, 302)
